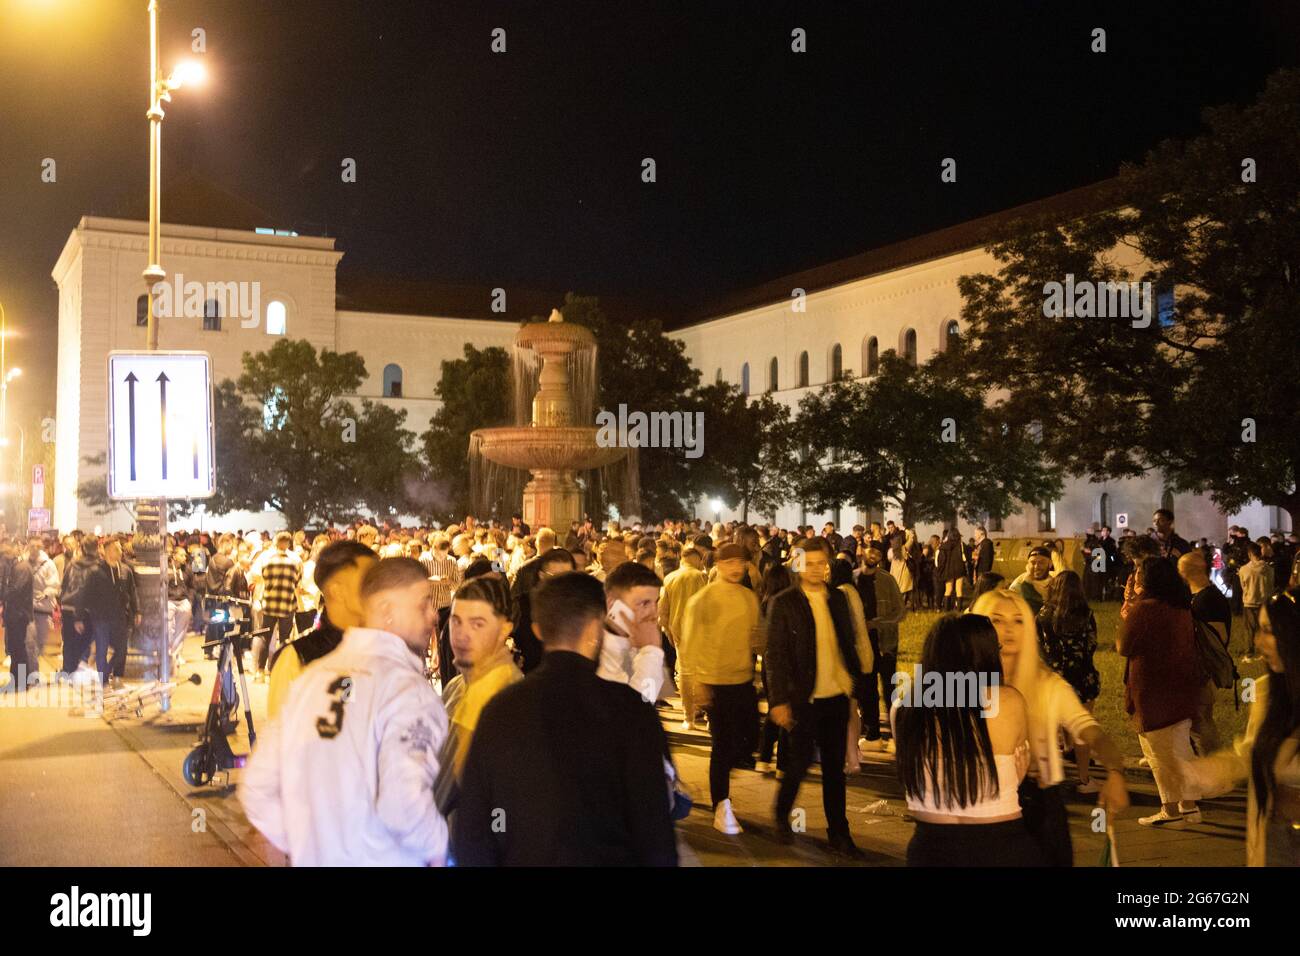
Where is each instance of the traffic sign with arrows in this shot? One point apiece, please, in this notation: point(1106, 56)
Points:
point(157, 398)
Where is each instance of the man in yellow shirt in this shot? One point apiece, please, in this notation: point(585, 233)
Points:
point(720, 639)
point(339, 570)
point(679, 587)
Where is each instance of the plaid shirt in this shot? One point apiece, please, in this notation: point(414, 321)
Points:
point(280, 575)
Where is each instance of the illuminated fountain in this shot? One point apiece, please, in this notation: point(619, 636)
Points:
point(551, 440)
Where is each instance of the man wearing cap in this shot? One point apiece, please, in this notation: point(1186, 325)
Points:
point(720, 638)
point(1032, 585)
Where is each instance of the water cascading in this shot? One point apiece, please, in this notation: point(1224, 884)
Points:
point(548, 466)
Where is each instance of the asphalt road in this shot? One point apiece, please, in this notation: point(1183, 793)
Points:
point(74, 793)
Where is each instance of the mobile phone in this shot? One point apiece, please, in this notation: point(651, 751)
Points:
point(622, 616)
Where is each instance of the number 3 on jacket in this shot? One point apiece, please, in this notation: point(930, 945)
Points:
point(340, 691)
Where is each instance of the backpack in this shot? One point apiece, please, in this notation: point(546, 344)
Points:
point(1216, 662)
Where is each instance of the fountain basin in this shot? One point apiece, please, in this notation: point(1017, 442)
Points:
point(536, 448)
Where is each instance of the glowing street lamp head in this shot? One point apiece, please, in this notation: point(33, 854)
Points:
point(190, 72)
point(717, 506)
point(13, 374)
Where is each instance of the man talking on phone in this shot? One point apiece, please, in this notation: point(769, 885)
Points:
point(632, 652)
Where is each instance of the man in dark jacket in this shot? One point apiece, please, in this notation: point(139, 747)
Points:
point(566, 769)
point(96, 607)
point(128, 609)
point(812, 674)
point(16, 595)
point(983, 557)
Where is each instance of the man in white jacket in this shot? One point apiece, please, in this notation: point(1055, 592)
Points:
point(344, 775)
point(632, 652)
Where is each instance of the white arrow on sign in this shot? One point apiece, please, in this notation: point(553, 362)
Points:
point(160, 436)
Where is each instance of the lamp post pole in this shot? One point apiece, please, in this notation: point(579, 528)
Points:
point(151, 515)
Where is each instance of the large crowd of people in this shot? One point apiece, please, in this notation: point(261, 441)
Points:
point(487, 694)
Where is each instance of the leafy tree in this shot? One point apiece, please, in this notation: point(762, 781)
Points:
point(1207, 393)
point(920, 439)
point(475, 393)
point(747, 450)
point(312, 455)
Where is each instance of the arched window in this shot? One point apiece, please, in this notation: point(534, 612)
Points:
point(392, 381)
point(744, 379)
point(949, 333)
point(142, 311)
point(212, 316)
point(718, 377)
point(837, 362)
point(803, 369)
point(908, 345)
point(1103, 509)
point(773, 380)
point(277, 318)
point(870, 356)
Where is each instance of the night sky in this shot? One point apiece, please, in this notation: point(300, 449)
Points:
point(524, 168)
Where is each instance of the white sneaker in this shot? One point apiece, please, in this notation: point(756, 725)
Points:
point(1164, 820)
point(724, 820)
point(1191, 816)
point(764, 766)
point(687, 725)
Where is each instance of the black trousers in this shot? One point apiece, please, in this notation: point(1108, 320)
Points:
point(74, 644)
point(872, 686)
point(16, 645)
point(281, 630)
point(733, 716)
point(973, 844)
point(823, 724)
point(117, 642)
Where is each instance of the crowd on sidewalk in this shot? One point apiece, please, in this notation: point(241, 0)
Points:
point(487, 695)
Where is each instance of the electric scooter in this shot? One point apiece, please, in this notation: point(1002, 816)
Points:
point(212, 754)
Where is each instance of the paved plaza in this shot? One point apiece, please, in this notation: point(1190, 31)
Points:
point(107, 790)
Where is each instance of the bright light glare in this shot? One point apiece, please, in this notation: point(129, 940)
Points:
point(717, 505)
point(13, 373)
point(190, 72)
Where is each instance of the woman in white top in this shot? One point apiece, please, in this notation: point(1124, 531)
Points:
point(961, 760)
point(1051, 705)
point(308, 594)
point(1268, 756)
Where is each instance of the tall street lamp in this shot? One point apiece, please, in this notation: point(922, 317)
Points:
point(151, 516)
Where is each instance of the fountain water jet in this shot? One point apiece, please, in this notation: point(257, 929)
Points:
point(550, 439)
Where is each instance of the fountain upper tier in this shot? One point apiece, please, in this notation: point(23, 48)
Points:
point(552, 440)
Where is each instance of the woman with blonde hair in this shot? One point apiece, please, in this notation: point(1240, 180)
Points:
point(1052, 706)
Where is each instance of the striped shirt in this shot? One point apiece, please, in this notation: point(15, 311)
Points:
point(280, 575)
point(444, 575)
